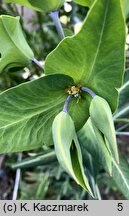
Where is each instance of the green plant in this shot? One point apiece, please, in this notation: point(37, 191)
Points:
point(72, 103)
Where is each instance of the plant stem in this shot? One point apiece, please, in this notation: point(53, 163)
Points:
point(55, 17)
point(85, 89)
point(123, 127)
point(22, 11)
point(65, 108)
point(121, 112)
point(17, 180)
point(122, 133)
point(41, 31)
point(35, 61)
point(122, 120)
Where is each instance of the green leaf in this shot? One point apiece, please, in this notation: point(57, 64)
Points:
point(121, 176)
point(96, 147)
point(39, 5)
point(14, 50)
point(67, 148)
point(92, 169)
point(88, 158)
point(86, 3)
point(27, 112)
point(95, 56)
point(125, 4)
point(123, 109)
point(124, 90)
point(42, 187)
point(101, 117)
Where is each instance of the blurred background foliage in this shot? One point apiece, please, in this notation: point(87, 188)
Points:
point(41, 177)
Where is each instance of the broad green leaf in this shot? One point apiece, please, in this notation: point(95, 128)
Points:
point(39, 5)
point(96, 147)
point(88, 3)
point(101, 117)
point(14, 50)
point(95, 56)
point(84, 2)
point(27, 112)
point(68, 150)
point(121, 176)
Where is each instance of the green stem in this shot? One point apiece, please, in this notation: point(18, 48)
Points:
point(41, 31)
point(122, 120)
point(123, 127)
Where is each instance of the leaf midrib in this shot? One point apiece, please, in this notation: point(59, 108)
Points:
point(99, 43)
point(31, 116)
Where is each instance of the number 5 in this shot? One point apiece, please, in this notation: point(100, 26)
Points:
point(120, 206)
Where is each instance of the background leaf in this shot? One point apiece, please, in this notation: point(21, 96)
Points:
point(14, 50)
point(98, 150)
point(88, 59)
point(124, 90)
point(123, 109)
point(84, 2)
point(121, 176)
point(88, 3)
point(34, 190)
point(27, 112)
point(125, 4)
point(39, 5)
point(92, 169)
